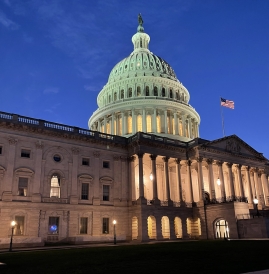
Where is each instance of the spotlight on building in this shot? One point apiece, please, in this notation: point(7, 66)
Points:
point(13, 223)
point(114, 225)
point(151, 176)
point(256, 201)
point(218, 182)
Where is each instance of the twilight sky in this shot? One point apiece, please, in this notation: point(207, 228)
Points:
point(56, 55)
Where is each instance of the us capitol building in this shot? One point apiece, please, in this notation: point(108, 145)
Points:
point(140, 164)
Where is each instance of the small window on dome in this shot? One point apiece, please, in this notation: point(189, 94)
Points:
point(122, 94)
point(130, 93)
point(147, 91)
point(163, 92)
point(155, 91)
point(138, 91)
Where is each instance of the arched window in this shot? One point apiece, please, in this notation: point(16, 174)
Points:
point(138, 90)
point(149, 128)
point(155, 91)
point(221, 229)
point(130, 124)
point(55, 186)
point(171, 93)
point(147, 91)
point(130, 93)
point(115, 96)
point(139, 123)
point(122, 94)
point(158, 120)
point(165, 227)
point(163, 92)
point(152, 227)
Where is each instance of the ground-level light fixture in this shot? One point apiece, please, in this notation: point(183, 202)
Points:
point(13, 223)
point(256, 201)
point(151, 176)
point(114, 226)
point(218, 181)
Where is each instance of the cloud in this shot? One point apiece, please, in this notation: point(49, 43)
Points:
point(7, 22)
point(50, 90)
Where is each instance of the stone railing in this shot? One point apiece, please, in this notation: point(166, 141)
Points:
point(42, 124)
point(55, 200)
point(164, 203)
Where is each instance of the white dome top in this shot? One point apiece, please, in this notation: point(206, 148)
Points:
point(144, 87)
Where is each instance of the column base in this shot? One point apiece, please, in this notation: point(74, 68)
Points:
point(141, 201)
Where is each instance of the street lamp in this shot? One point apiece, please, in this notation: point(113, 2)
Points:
point(256, 201)
point(114, 224)
point(13, 223)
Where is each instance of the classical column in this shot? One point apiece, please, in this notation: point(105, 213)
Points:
point(133, 121)
point(132, 192)
point(211, 179)
point(264, 186)
point(166, 176)
point(250, 198)
point(154, 175)
point(179, 184)
point(165, 122)
point(112, 124)
point(154, 124)
point(255, 177)
point(189, 181)
point(74, 183)
point(99, 125)
point(238, 167)
point(183, 119)
point(261, 188)
point(124, 123)
point(141, 175)
point(105, 122)
point(176, 123)
point(144, 123)
point(200, 179)
point(230, 175)
point(221, 177)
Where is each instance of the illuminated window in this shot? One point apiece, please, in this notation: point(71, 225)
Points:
point(108, 129)
point(23, 186)
point(138, 91)
point(130, 124)
point(55, 186)
point(221, 229)
point(180, 129)
point(158, 120)
point(149, 129)
point(120, 126)
point(105, 227)
point(83, 225)
point(139, 123)
point(19, 227)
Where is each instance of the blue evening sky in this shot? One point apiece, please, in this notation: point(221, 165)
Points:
point(56, 55)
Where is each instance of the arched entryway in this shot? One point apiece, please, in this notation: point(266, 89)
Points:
point(221, 229)
point(178, 227)
point(152, 227)
point(134, 228)
point(165, 227)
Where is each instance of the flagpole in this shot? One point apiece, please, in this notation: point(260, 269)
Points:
point(222, 119)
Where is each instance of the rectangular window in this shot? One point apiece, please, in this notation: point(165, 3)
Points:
point(105, 193)
point(105, 164)
point(83, 225)
point(19, 227)
point(23, 186)
point(84, 191)
point(105, 225)
point(0, 149)
point(25, 153)
point(53, 225)
point(85, 161)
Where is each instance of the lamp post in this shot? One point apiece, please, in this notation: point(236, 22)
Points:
point(114, 225)
point(13, 223)
point(256, 201)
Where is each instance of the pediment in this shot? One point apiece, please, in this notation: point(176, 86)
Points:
point(235, 146)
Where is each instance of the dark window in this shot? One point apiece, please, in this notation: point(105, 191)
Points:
point(130, 92)
point(57, 158)
point(53, 225)
point(23, 186)
point(25, 153)
point(147, 91)
point(105, 225)
point(83, 225)
point(0, 150)
point(122, 94)
point(171, 94)
point(85, 161)
point(163, 92)
point(19, 227)
point(155, 91)
point(84, 191)
point(105, 193)
point(105, 164)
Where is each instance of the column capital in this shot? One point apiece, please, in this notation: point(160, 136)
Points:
point(153, 157)
point(219, 163)
point(140, 154)
point(229, 165)
point(177, 160)
point(247, 168)
point(188, 162)
point(238, 166)
point(199, 159)
point(209, 161)
point(131, 158)
point(165, 159)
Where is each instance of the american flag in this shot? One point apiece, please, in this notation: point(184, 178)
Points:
point(226, 103)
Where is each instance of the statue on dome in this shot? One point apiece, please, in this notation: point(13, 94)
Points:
point(140, 20)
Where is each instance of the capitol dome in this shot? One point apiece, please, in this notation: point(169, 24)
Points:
point(144, 94)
